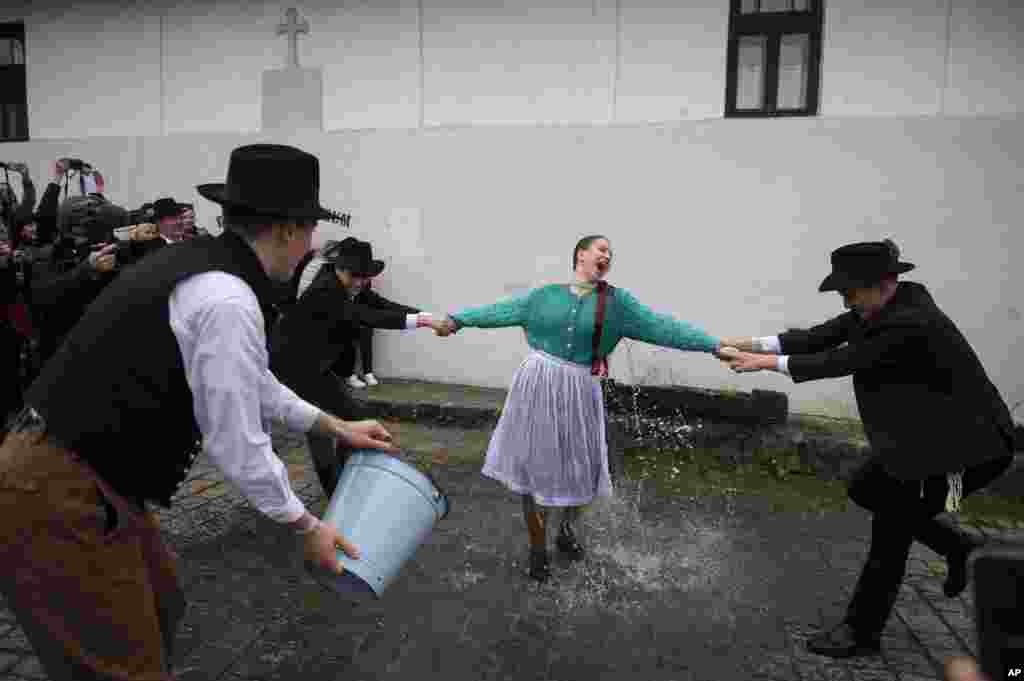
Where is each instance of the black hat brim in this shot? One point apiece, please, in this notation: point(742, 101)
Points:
point(837, 281)
point(343, 263)
point(216, 192)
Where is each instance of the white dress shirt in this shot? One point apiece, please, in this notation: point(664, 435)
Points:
point(309, 274)
point(220, 330)
point(772, 345)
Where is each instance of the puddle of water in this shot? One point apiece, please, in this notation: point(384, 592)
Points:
point(634, 564)
point(461, 580)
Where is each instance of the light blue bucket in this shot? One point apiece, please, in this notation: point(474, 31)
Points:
point(387, 509)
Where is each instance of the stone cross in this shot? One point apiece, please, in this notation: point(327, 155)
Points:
point(292, 29)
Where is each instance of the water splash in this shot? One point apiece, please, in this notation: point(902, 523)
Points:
point(634, 563)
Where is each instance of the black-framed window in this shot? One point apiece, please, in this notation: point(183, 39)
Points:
point(774, 58)
point(13, 91)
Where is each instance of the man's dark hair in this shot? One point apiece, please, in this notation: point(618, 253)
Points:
point(247, 225)
point(583, 244)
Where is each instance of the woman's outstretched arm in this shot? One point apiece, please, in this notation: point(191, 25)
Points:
point(644, 324)
point(508, 312)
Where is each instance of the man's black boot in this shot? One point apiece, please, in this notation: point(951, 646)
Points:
point(956, 564)
point(845, 641)
point(540, 568)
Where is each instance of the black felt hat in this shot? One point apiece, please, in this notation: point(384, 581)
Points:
point(355, 256)
point(863, 264)
point(274, 181)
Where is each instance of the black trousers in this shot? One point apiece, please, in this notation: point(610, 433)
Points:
point(346, 364)
point(901, 515)
point(329, 458)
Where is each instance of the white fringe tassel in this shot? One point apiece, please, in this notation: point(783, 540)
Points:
point(956, 491)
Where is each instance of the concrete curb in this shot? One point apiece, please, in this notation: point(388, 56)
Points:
point(739, 425)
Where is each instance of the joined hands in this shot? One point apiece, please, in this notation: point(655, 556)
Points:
point(442, 327)
point(742, 357)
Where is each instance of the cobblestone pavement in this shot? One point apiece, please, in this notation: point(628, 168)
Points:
point(672, 589)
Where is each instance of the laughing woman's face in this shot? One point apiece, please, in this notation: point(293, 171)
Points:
point(596, 261)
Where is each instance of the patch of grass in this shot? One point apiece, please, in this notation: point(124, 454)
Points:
point(430, 446)
point(777, 476)
point(421, 391)
point(781, 478)
point(993, 511)
point(825, 425)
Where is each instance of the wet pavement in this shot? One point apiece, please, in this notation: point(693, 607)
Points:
point(672, 589)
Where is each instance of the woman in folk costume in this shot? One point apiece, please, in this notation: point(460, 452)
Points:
point(549, 445)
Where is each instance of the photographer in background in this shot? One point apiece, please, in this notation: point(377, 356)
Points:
point(15, 279)
point(167, 216)
point(87, 260)
point(188, 221)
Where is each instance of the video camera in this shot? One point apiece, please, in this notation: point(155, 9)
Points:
point(88, 223)
point(78, 165)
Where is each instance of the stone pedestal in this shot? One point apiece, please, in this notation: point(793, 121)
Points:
point(293, 99)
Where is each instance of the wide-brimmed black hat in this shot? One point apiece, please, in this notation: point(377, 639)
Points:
point(355, 256)
point(272, 180)
point(863, 264)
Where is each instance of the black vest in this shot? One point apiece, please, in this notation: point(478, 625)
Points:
point(115, 391)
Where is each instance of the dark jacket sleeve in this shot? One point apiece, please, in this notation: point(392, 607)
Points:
point(826, 336)
point(140, 249)
point(310, 338)
point(884, 348)
point(23, 214)
point(372, 299)
point(46, 216)
point(59, 303)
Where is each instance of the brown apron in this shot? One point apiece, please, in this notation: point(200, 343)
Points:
point(97, 600)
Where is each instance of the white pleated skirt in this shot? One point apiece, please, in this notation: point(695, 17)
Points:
point(550, 438)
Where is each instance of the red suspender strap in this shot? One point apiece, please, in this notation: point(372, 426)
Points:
point(599, 365)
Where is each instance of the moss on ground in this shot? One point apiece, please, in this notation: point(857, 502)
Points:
point(779, 477)
point(775, 476)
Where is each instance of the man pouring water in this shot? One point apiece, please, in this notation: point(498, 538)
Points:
point(170, 354)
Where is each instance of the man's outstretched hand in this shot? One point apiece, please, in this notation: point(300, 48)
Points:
point(742, 362)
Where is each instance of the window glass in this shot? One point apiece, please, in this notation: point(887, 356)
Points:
point(751, 64)
point(794, 56)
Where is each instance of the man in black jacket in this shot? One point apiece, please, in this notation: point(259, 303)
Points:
point(937, 426)
point(318, 329)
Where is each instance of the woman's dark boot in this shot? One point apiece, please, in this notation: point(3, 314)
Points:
point(567, 542)
point(540, 568)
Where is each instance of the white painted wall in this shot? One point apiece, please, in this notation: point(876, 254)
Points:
point(672, 61)
point(727, 223)
point(186, 67)
point(491, 62)
point(986, 58)
point(883, 58)
point(93, 69)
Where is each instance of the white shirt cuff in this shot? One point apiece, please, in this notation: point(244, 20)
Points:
point(769, 344)
point(303, 418)
point(289, 514)
point(411, 319)
point(782, 364)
